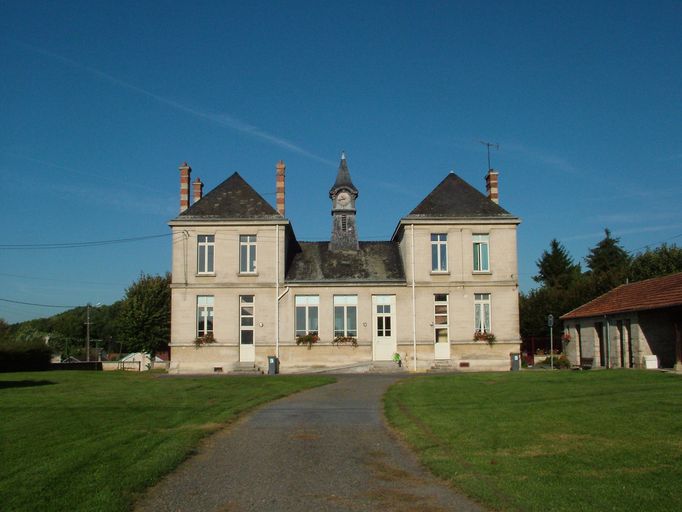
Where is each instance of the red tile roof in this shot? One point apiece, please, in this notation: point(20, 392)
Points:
point(656, 293)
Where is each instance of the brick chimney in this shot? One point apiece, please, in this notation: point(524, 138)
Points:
point(280, 186)
point(185, 172)
point(491, 186)
point(198, 188)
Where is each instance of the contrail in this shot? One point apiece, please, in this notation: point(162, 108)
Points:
point(220, 119)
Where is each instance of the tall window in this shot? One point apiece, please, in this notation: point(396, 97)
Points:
point(307, 307)
point(246, 317)
point(439, 252)
point(481, 253)
point(345, 315)
point(205, 254)
point(482, 312)
point(204, 315)
point(247, 254)
point(440, 317)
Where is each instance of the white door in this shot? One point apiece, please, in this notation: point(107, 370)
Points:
point(440, 327)
point(247, 349)
point(383, 322)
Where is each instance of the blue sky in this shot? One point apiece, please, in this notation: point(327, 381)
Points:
point(100, 103)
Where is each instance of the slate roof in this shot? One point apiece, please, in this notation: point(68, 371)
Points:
point(232, 199)
point(374, 262)
point(656, 293)
point(343, 178)
point(454, 197)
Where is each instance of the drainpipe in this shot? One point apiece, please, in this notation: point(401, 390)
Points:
point(277, 291)
point(414, 309)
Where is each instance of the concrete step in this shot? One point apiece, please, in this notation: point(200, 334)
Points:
point(443, 366)
point(247, 369)
point(386, 367)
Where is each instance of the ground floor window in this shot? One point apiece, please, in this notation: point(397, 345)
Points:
point(307, 309)
point(246, 319)
point(482, 312)
point(204, 315)
point(440, 317)
point(345, 316)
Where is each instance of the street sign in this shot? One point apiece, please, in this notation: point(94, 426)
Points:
point(550, 320)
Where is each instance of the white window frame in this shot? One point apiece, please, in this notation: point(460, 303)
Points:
point(481, 245)
point(483, 312)
point(205, 305)
point(247, 254)
point(348, 306)
point(247, 301)
point(205, 244)
point(438, 304)
point(439, 258)
point(307, 303)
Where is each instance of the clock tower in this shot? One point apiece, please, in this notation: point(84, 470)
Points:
point(343, 195)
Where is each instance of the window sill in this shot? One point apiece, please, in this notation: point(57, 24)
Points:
point(440, 272)
point(247, 274)
point(482, 273)
point(205, 274)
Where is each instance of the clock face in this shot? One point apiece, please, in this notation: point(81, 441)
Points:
point(343, 199)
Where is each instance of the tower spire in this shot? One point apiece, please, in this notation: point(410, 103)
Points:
point(343, 195)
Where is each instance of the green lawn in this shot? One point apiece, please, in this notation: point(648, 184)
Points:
point(92, 440)
point(595, 440)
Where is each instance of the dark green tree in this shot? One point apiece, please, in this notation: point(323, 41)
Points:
point(145, 315)
point(664, 260)
point(608, 264)
point(556, 268)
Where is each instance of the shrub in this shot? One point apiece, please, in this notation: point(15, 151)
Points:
point(307, 339)
point(345, 340)
point(560, 362)
point(24, 356)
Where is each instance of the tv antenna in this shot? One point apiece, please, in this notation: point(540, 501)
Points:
point(489, 145)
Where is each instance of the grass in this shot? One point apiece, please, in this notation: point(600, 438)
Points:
point(93, 440)
point(596, 440)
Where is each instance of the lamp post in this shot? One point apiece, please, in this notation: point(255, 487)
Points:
point(550, 323)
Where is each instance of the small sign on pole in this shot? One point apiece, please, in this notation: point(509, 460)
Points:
point(550, 323)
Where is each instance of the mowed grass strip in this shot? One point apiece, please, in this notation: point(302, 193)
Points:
point(92, 440)
point(595, 440)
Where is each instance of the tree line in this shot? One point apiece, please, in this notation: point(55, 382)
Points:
point(564, 285)
point(138, 322)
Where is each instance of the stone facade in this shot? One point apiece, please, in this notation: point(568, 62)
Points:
point(449, 270)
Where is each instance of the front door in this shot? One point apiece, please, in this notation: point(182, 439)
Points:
point(383, 321)
point(440, 327)
point(247, 350)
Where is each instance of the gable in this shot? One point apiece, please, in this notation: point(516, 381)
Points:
point(232, 199)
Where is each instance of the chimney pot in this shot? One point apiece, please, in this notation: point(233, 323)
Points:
point(492, 185)
point(281, 167)
point(185, 173)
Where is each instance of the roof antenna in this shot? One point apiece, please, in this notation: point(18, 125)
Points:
point(489, 145)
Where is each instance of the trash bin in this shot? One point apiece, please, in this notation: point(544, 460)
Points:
point(515, 361)
point(273, 365)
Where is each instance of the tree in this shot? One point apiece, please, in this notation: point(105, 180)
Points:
point(4, 329)
point(664, 260)
point(556, 268)
point(608, 263)
point(145, 315)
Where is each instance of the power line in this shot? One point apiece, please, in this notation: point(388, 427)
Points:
point(34, 304)
point(75, 245)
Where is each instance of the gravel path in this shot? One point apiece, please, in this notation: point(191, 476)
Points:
point(325, 449)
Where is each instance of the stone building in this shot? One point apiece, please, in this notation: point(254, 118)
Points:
point(435, 294)
point(636, 325)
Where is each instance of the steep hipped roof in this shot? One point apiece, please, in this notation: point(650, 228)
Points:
point(343, 178)
point(374, 262)
point(454, 197)
point(656, 293)
point(232, 199)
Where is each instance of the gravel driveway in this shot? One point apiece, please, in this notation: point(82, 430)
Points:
point(325, 449)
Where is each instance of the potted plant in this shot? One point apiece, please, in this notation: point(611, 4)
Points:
point(397, 359)
point(204, 340)
point(566, 337)
point(307, 339)
point(484, 336)
point(345, 340)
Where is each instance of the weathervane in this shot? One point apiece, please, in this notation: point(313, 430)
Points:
point(488, 145)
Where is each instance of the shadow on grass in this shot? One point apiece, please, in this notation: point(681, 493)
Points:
point(24, 383)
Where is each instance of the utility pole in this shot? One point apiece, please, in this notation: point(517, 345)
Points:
point(489, 145)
